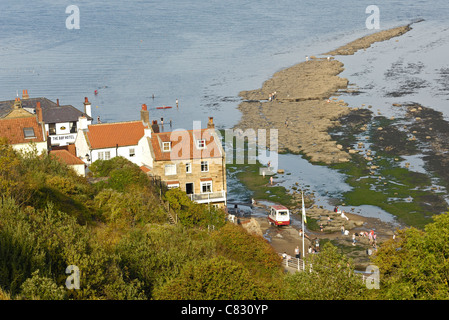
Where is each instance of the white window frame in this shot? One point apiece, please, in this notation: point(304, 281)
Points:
point(206, 164)
point(101, 155)
point(132, 152)
point(201, 144)
point(169, 173)
point(206, 183)
point(166, 146)
point(188, 167)
point(107, 155)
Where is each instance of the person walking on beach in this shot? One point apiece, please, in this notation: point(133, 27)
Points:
point(297, 253)
point(176, 103)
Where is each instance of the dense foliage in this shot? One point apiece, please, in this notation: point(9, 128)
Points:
point(116, 231)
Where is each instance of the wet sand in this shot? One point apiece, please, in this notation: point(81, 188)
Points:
point(303, 110)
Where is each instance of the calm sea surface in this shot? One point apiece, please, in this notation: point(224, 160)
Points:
point(200, 52)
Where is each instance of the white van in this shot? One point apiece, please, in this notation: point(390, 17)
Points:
point(279, 215)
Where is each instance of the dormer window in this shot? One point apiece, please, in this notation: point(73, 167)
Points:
point(29, 133)
point(166, 146)
point(201, 144)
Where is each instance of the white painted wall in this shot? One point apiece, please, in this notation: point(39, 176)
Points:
point(27, 147)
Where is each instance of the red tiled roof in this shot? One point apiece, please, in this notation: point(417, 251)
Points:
point(12, 129)
point(70, 148)
point(184, 147)
point(65, 157)
point(109, 135)
point(145, 169)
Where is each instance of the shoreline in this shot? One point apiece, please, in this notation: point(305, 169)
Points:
point(303, 112)
point(303, 108)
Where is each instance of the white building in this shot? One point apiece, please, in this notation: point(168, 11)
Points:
point(108, 140)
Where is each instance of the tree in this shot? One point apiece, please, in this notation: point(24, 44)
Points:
point(41, 288)
point(330, 277)
point(214, 279)
point(415, 264)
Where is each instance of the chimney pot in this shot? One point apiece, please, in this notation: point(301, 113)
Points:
point(144, 114)
point(211, 123)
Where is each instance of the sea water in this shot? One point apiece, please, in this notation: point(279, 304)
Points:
point(203, 53)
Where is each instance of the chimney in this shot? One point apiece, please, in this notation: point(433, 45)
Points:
point(145, 114)
point(211, 124)
point(57, 102)
point(25, 95)
point(147, 132)
point(87, 107)
point(39, 112)
point(17, 103)
point(82, 123)
point(155, 126)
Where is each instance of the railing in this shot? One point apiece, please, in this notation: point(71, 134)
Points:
point(208, 197)
point(294, 263)
point(299, 265)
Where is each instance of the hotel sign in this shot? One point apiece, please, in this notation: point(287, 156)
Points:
point(63, 138)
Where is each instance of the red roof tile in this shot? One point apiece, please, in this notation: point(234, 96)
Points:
point(109, 135)
point(12, 129)
point(65, 157)
point(183, 145)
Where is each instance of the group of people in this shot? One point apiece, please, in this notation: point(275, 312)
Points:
point(272, 96)
point(372, 237)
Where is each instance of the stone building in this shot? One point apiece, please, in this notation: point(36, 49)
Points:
point(192, 160)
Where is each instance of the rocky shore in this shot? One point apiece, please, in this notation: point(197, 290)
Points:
point(297, 102)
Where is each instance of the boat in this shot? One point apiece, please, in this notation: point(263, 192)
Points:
point(164, 107)
point(279, 215)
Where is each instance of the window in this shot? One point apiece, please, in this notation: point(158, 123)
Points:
point(29, 133)
point(170, 169)
point(204, 166)
point(73, 127)
point(166, 146)
point(52, 128)
point(188, 167)
point(104, 155)
point(132, 152)
point(206, 187)
point(201, 144)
